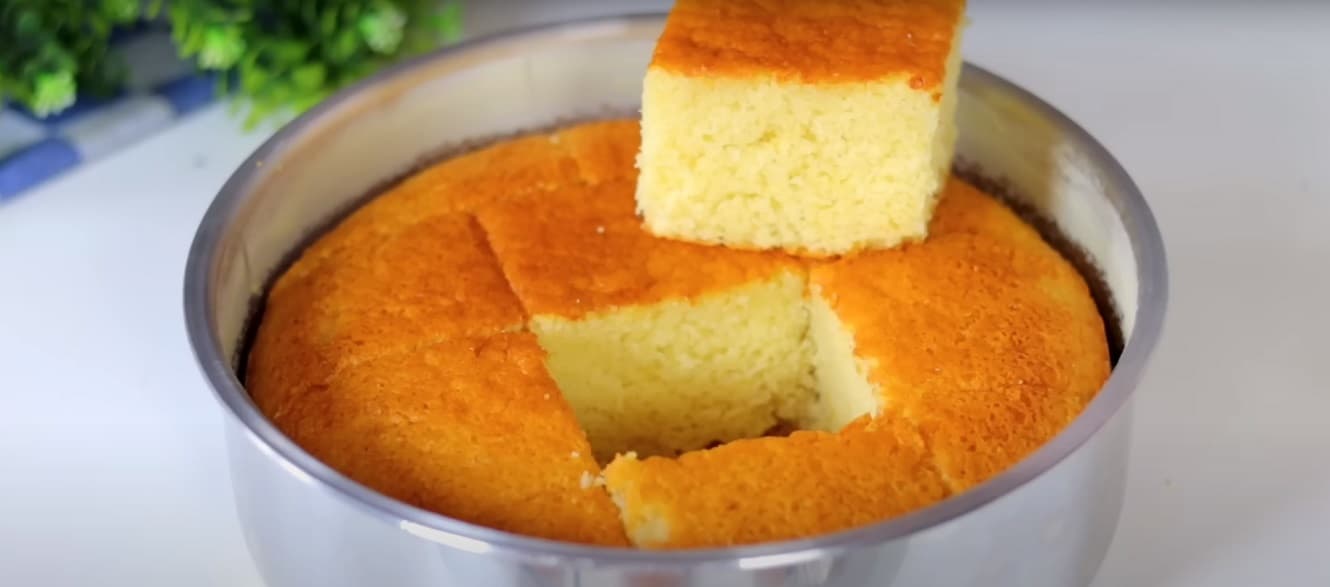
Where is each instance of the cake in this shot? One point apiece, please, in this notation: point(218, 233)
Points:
point(470, 427)
point(820, 128)
point(661, 346)
point(392, 291)
point(603, 150)
point(963, 354)
point(401, 363)
point(775, 488)
point(984, 337)
point(517, 350)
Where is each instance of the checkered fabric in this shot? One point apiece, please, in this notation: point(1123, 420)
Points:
point(160, 90)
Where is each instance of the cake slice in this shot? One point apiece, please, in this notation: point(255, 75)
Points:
point(433, 280)
point(820, 128)
point(660, 346)
point(471, 428)
point(983, 337)
point(775, 488)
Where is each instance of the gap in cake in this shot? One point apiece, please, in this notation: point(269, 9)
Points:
point(660, 346)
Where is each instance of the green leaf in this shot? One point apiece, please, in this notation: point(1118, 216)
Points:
point(343, 46)
point(382, 27)
point(153, 9)
point(309, 77)
point(328, 22)
point(287, 51)
point(52, 92)
point(121, 11)
point(222, 47)
point(253, 80)
point(29, 23)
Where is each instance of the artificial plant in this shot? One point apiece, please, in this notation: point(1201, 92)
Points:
point(277, 55)
point(50, 50)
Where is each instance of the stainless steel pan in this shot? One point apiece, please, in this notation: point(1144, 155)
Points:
point(1045, 522)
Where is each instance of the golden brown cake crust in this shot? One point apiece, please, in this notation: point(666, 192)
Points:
point(431, 280)
point(768, 489)
point(471, 428)
point(457, 185)
point(581, 249)
point(984, 336)
point(604, 150)
point(811, 42)
point(387, 352)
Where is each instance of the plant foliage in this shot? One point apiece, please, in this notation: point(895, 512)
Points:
point(52, 49)
point(276, 55)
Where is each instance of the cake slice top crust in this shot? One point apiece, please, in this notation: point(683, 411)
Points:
point(832, 41)
point(983, 336)
point(581, 249)
point(474, 429)
point(767, 489)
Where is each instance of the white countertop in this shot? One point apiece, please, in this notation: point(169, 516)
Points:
point(111, 463)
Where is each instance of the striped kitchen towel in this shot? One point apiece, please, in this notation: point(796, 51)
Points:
point(160, 90)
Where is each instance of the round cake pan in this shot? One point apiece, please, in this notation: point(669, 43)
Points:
point(1047, 521)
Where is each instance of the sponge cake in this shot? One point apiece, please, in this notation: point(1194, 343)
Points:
point(820, 128)
point(661, 346)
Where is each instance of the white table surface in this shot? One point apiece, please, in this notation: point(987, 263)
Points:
point(111, 463)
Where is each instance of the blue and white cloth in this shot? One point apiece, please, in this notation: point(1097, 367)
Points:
point(160, 90)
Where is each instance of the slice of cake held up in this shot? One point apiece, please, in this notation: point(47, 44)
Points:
point(660, 346)
point(819, 128)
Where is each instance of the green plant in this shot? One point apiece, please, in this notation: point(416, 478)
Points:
point(290, 54)
point(282, 55)
point(52, 49)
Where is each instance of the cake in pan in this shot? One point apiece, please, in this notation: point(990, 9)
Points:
point(500, 339)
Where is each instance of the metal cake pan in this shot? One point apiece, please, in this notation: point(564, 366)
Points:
point(1047, 521)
